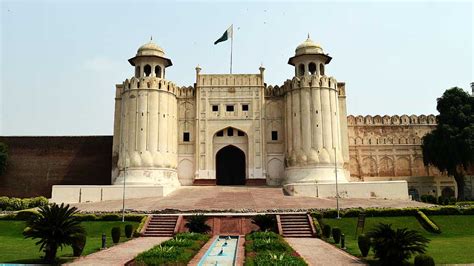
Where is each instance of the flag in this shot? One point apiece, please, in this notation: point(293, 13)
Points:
point(227, 34)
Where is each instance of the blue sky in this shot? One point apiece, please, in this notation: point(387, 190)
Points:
point(60, 60)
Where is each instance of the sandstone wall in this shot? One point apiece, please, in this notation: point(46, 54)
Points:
point(37, 163)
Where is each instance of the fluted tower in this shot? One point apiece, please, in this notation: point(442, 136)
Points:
point(145, 129)
point(313, 130)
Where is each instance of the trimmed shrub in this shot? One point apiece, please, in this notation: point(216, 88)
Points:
point(197, 224)
point(270, 245)
point(317, 214)
point(327, 231)
point(424, 260)
point(25, 215)
point(128, 230)
point(78, 244)
point(364, 245)
point(110, 217)
point(266, 222)
point(116, 234)
point(262, 235)
point(317, 227)
point(336, 235)
point(278, 259)
point(427, 223)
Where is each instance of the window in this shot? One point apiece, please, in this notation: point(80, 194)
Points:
point(215, 108)
point(147, 70)
point(301, 70)
point(274, 135)
point(186, 136)
point(240, 133)
point(229, 108)
point(230, 132)
point(312, 68)
point(245, 107)
point(321, 69)
point(158, 71)
point(220, 133)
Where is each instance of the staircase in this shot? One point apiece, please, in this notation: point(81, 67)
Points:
point(295, 225)
point(161, 225)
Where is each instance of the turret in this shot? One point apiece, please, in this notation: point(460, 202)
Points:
point(313, 145)
point(145, 129)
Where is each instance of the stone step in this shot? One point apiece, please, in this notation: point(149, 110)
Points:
point(297, 235)
point(159, 229)
point(297, 226)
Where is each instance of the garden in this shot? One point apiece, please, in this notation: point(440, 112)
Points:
point(447, 231)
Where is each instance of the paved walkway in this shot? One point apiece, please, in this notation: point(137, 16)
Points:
point(120, 254)
point(317, 252)
point(237, 199)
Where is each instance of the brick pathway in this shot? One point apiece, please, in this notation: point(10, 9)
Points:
point(317, 252)
point(120, 254)
point(238, 198)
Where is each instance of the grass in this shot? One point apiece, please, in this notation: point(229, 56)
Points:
point(457, 235)
point(16, 249)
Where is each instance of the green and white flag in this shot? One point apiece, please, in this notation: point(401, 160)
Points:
point(227, 34)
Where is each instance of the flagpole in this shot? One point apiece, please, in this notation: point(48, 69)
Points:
point(231, 47)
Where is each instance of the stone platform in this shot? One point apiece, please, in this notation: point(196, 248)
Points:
point(393, 190)
point(236, 199)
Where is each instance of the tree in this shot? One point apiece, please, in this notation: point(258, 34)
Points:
point(396, 246)
point(55, 226)
point(3, 157)
point(450, 146)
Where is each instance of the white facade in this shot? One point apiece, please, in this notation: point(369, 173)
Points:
point(171, 136)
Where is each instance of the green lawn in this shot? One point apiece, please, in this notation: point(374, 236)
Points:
point(451, 246)
point(15, 249)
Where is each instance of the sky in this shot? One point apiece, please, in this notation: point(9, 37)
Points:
point(60, 60)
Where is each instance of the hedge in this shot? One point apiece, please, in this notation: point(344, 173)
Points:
point(391, 212)
point(25, 214)
point(427, 223)
point(16, 204)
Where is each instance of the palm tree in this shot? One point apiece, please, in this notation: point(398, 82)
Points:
point(55, 226)
point(396, 246)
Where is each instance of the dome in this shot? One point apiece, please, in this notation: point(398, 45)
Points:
point(150, 48)
point(308, 47)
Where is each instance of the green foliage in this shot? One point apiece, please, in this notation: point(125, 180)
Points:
point(269, 248)
point(424, 260)
point(25, 215)
point(197, 224)
point(262, 235)
point(327, 231)
point(16, 204)
point(3, 157)
point(128, 230)
point(270, 244)
point(364, 244)
point(450, 146)
point(78, 244)
point(317, 228)
point(336, 235)
point(55, 226)
point(266, 222)
point(116, 234)
point(396, 246)
point(428, 199)
point(277, 259)
point(140, 226)
point(177, 251)
point(111, 217)
point(427, 223)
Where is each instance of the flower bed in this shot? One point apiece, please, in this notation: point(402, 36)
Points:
point(268, 248)
point(177, 251)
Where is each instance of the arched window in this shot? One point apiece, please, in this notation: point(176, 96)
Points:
point(312, 68)
point(301, 70)
point(137, 71)
point(158, 71)
point(321, 69)
point(147, 70)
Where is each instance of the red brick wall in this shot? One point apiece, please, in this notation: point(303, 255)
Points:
point(37, 163)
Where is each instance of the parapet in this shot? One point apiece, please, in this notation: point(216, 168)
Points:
point(149, 83)
point(391, 120)
point(302, 82)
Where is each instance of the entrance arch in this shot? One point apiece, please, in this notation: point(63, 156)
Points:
point(230, 166)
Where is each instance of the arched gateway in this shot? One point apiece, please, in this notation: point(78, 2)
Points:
point(230, 166)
